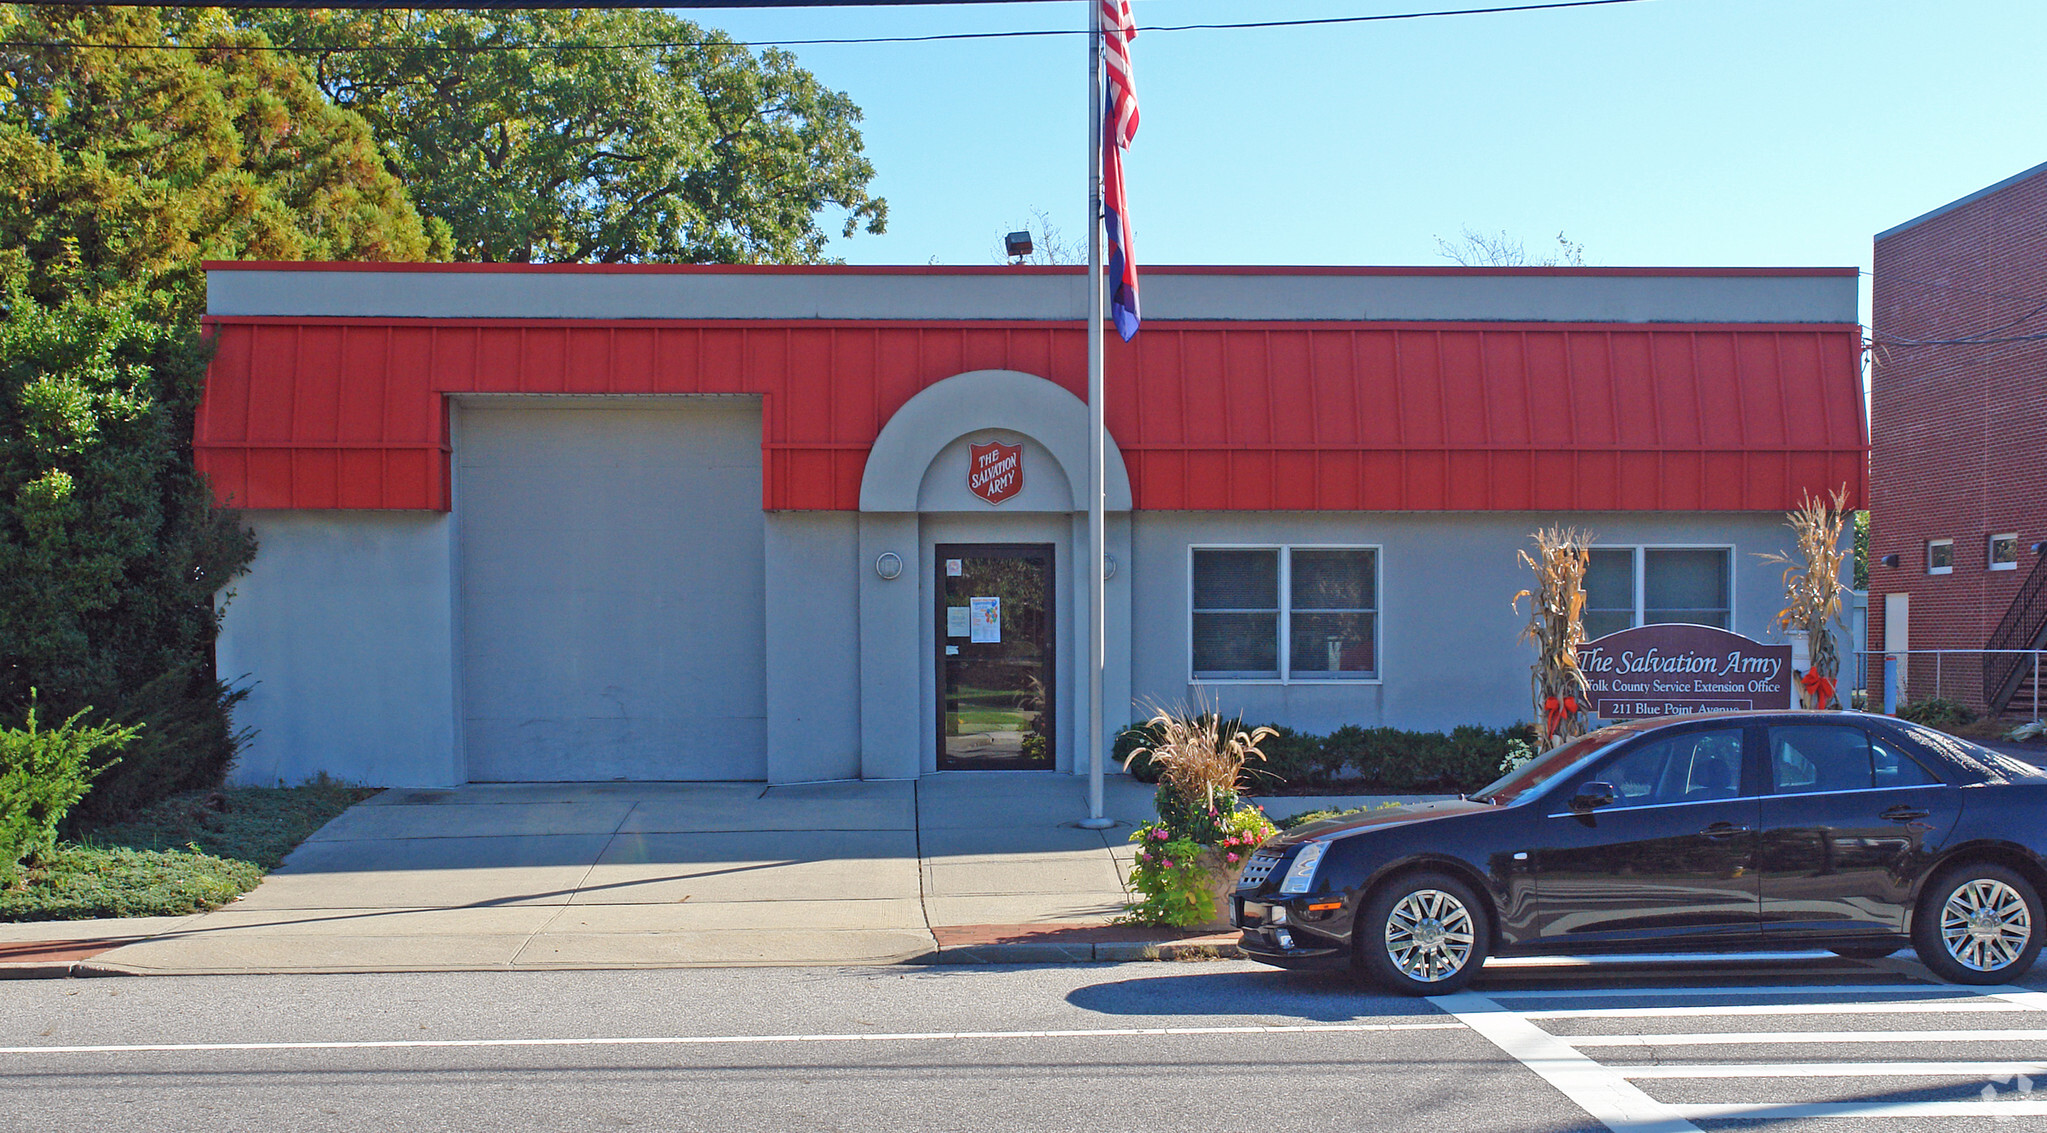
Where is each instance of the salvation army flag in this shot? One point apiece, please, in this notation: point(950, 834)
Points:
point(1118, 128)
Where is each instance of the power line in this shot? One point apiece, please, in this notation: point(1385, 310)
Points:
point(1036, 33)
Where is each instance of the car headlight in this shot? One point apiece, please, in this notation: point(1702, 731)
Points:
point(1300, 876)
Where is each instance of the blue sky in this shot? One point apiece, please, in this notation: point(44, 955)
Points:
point(1670, 132)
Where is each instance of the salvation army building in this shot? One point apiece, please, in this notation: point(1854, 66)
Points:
point(698, 523)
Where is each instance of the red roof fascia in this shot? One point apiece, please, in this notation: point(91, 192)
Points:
point(351, 413)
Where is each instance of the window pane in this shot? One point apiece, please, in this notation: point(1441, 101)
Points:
point(1685, 585)
point(1687, 768)
point(1236, 580)
point(1609, 592)
point(1236, 645)
point(1941, 555)
point(1896, 769)
point(1335, 580)
point(2004, 549)
point(1819, 757)
point(1332, 646)
point(1599, 625)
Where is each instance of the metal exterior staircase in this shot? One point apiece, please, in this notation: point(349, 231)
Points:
point(2024, 626)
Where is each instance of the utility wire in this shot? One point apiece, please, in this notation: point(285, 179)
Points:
point(935, 38)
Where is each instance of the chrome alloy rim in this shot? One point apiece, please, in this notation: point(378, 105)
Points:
point(1985, 925)
point(1428, 935)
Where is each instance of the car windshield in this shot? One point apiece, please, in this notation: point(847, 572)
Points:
point(1535, 773)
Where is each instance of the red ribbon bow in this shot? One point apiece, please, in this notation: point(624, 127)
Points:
point(1821, 688)
point(1554, 713)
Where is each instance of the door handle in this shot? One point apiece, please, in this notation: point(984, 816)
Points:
point(1723, 830)
point(1904, 814)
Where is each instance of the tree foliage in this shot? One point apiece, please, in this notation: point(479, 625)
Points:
point(684, 147)
point(122, 170)
point(110, 548)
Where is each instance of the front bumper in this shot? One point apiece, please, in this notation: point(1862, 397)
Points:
point(1288, 934)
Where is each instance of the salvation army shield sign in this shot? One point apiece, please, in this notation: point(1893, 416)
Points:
point(995, 470)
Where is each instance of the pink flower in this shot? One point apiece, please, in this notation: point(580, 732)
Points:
point(1233, 859)
point(1169, 863)
point(1160, 834)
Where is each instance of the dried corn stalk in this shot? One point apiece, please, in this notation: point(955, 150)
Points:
point(1556, 626)
point(1813, 589)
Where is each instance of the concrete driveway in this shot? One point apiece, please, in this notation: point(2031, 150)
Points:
point(665, 874)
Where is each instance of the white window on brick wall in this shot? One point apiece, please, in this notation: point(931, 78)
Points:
point(2004, 551)
point(1940, 556)
point(1635, 586)
point(1284, 613)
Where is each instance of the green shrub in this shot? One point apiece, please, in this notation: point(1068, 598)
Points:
point(1938, 712)
point(43, 774)
point(79, 882)
point(1125, 754)
point(111, 551)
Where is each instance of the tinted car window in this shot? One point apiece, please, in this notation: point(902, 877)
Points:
point(1894, 768)
point(1684, 768)
point(1819, 757)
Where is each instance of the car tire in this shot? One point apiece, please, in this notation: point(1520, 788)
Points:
point(1978, 924)
point(1422, 934)
point(1865, 951)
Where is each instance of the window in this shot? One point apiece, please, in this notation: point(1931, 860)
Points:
point(1634, 586)
point(1693, 767)
point(2004, 551)
point(1610, 591)
point(1830, 757)
point(1940, 556)
point(1820, 757)
point(1896, 769)
point(1285, 613)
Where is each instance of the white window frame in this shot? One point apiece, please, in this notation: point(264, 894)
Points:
point(1950, 567)
point(1286, 605)
point(1640, 551)
point(1990, 551)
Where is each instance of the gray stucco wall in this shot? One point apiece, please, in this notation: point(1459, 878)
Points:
point(813, 645)
point(342, 629)
point(1449, 652)
point(612, 594)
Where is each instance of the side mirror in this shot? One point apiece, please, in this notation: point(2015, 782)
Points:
point(1592, 796)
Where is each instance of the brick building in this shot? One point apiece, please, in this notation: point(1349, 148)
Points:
point(1958, 442)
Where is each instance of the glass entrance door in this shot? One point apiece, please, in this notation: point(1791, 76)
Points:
point(995, 707)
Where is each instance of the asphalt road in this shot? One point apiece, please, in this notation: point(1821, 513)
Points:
point(1792, 1043)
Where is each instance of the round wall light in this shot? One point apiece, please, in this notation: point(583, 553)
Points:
point(889, 565)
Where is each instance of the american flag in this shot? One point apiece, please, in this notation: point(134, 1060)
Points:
point(1118, 128)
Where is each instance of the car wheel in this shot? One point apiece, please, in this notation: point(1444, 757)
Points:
point(1423, 934)
point(1864, 951)
point(1978, 924)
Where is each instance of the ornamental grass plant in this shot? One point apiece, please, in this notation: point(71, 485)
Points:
point(1189, 857)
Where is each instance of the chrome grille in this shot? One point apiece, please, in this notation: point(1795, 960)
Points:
point(1258, 869)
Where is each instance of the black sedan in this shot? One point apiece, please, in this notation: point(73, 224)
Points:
point(1856, 833)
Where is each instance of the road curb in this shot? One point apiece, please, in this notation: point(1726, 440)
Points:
point(1074, 944)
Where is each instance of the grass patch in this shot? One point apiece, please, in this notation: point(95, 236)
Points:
point(186, 854)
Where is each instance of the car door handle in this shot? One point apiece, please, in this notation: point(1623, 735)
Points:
point(1723, 830)
point(1905, 814)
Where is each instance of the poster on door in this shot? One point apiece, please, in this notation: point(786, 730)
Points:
point(984, 619)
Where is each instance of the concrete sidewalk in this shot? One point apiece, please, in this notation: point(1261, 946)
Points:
point(968, 867)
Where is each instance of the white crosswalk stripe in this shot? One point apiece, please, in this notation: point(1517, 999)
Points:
point(1572, 1037)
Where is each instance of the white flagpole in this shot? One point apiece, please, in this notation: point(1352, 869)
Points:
point(1097, 626)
